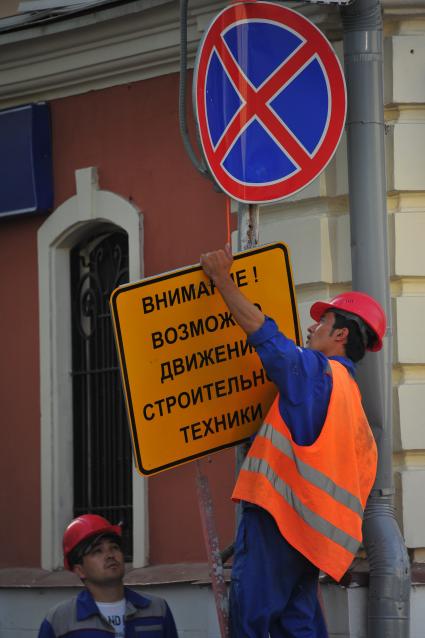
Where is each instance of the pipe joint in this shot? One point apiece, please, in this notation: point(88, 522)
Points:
point(362, 15)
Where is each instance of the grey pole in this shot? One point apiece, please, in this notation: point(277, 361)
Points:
point(248, 237)
point(389, 581)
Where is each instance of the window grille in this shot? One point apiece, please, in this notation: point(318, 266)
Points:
point(102, 450)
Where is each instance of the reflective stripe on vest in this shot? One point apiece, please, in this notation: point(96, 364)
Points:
point(309, 473)
point(316, 521)
point(316, 493)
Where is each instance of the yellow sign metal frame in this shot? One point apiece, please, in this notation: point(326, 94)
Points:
point(192, 384)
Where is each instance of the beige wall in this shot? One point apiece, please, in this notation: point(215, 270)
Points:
point(405, 100)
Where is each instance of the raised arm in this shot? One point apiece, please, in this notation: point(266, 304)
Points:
point(216, 265)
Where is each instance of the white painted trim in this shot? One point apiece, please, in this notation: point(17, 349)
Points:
point(64, 228)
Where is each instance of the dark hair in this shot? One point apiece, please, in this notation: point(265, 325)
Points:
point(75, 557)
point(360, 336)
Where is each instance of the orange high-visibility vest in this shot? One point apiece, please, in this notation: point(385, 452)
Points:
point(316, 493)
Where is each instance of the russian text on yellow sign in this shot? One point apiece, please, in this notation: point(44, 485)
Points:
point(191, 382)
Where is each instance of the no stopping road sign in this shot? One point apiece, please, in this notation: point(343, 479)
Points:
point(270, 101)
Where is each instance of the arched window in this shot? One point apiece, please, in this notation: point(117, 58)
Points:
point(69, 239)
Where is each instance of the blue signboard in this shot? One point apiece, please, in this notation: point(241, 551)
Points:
point(26, 181)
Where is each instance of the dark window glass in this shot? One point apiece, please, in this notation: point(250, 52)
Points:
point(102, 452)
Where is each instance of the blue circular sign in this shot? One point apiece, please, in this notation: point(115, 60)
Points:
point(270, 101)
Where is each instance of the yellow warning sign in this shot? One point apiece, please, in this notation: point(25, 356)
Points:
point(192, 383)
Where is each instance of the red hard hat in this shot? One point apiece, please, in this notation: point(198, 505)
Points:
point(82, 528)
point(360, 304)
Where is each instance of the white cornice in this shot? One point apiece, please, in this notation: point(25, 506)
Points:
point(403, 5)
point(118, 45)
point(84, 53)
point(406, 10)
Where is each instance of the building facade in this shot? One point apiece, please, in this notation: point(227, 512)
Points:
point(128, 204)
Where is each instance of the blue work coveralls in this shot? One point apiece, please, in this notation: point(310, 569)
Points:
point(274, 587)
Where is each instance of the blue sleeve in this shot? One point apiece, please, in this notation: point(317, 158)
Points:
point(170, 630)
point(46, 630)
point(293, 369)
point(301, 376)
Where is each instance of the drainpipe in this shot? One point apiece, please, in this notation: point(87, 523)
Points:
point(198, 164)
point(389, 580)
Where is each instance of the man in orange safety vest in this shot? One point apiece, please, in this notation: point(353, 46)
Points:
point(307, 476)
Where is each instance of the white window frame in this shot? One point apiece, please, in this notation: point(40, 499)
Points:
point(89, 209)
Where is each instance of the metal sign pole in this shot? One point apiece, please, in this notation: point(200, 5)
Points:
point(248, 226)
point(248, 237)
point(211, 542)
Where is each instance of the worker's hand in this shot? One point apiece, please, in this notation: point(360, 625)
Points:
point(217, 265)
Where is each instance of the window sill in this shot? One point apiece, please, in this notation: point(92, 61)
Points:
point(27, 577)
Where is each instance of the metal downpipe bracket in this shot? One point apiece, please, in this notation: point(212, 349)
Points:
point(215, 561)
